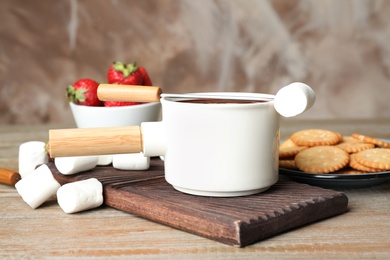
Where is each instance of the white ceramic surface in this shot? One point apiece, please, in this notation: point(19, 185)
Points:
point(216, 149)
point(91, 117)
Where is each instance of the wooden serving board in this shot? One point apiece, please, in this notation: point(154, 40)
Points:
point(238, 221)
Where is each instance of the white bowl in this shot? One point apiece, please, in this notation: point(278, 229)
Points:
point(91, 117)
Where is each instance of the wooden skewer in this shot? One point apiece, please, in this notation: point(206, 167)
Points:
point(94, 141)
point(9, 177)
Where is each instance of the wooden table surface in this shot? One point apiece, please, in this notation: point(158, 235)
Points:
point(47, 232)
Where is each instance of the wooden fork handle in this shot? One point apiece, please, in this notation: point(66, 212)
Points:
point(94, 141)
point(129, 93)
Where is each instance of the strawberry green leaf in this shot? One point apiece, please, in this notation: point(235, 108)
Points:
point(119, 66)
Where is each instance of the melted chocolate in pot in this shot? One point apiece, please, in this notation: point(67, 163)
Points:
point(220, 101)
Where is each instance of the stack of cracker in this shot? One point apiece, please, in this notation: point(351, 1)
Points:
point(324, 151)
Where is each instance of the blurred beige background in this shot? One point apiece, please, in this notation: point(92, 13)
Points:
point(340, 48)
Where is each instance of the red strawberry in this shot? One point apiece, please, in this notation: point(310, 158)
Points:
point(119, 103)
point(147, 81)
point(84, 92)
point(124, 74)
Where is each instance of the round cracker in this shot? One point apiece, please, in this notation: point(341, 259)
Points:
point(354, 147)
point(350, 139)
point(339, 135)
point(289, 152)
point(287, 144)
point(288, 164)
point(353, 163)
point(349, 171)
point(378, 158)
point(371, 140)
point(322, 159)
point(315, 137)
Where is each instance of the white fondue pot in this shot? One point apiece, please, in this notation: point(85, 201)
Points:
point(213, 144)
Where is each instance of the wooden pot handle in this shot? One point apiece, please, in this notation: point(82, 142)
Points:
point(94, 141)
point(129, 93)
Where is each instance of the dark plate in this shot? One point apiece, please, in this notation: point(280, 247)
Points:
point(337, 180)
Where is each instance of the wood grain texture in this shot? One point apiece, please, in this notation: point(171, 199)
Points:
point(238, 221)
point(133, 93)
point(94, 141)
point(9, 177)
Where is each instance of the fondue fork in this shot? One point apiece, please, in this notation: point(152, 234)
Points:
point(135, 93)
point(289, 101)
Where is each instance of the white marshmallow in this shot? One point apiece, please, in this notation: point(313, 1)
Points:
point(75, 164)
point(31, 154)
point(105, 159)
point(38, 186)
point(80, 195)
point(131, 161)
point(294, 99)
